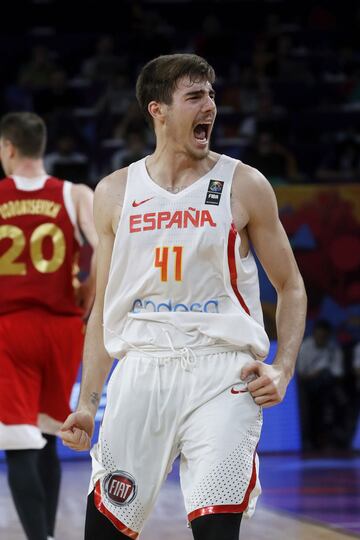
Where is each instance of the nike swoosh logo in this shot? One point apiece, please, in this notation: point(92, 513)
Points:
point(233, 391)
point(135, 204)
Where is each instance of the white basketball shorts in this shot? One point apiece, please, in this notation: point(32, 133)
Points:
point(187, 405)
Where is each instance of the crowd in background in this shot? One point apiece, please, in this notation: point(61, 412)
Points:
point(288, 88)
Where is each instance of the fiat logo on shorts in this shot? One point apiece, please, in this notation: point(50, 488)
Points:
point(120, 488)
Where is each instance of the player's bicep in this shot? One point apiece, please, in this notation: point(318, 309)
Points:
point(108, 201)
point(102, 219)
point(270, 241)
point(274, 252)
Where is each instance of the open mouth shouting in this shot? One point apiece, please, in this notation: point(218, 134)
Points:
point(202, 133)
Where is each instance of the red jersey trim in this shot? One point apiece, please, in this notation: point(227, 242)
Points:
point(232, 267)
point(114, 520)
point(228, 508)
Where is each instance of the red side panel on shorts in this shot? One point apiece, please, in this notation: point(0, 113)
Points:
point(228, 508)
point(232, 267)
point(114, 520)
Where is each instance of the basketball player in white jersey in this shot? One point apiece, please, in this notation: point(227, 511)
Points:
point(177, 302)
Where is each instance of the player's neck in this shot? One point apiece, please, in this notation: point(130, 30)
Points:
point(174, 171)
point(29, 168)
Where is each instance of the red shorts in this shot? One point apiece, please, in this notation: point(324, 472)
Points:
point(40, 354)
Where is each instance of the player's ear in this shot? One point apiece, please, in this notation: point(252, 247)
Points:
point(8, 146)
point(12, 149)
point(157, 110)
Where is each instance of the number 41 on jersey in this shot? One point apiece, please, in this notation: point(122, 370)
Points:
point(165, 256)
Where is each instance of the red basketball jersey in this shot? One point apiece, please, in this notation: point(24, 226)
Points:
point(38, 248)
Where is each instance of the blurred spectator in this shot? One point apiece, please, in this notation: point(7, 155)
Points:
point(157, 35)
point(231, 97)
point(18, 96)
point(353, 88)
point(356, 364)
point(250, 86)
point(57, 97)
point(206, 42)
point(354, 394)
point(114, 103)
point(67, 162)
point(36, 73)
point(342, 163)
point(291, 63)
point(104, 64)
point(267, 117)
point(132, 121)
point(321, 18)
point(273, 159)
point(117, 95)
point(263, 58)
point(319, 373)
point(135, 148)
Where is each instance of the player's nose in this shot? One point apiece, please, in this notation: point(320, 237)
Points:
point(209, 104)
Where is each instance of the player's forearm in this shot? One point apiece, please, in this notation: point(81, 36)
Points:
point(290, 324)
point(96, 366)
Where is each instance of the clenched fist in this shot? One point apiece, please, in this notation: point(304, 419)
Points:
point(77, 430)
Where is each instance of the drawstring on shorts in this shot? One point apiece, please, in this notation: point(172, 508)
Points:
point(186, 354)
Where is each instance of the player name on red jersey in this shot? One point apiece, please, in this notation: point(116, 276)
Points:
point(181, 219)
point(43, 207)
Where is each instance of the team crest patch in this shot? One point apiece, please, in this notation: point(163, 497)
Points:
point(214, 192)
point(120, 488)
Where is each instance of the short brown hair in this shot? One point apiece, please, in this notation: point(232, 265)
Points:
point(26, 131)
point(158, 78)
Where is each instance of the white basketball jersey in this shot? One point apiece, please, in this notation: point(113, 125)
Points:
point(176, 276)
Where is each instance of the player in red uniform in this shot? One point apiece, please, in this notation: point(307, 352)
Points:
point(42, 311)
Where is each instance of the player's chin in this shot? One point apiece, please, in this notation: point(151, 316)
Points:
point(200, 151)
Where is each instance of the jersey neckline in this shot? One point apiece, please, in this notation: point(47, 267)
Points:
point(164, 192)
point(24, 183)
